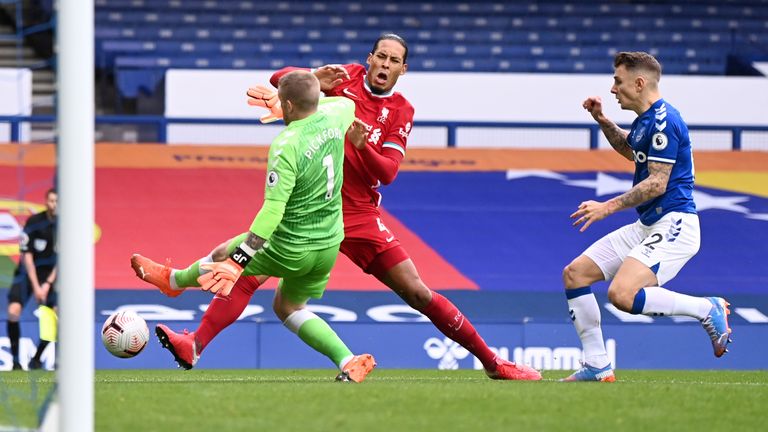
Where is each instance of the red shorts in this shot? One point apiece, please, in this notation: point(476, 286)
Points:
point(370, 244)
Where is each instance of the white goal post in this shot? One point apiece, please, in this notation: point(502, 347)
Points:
point(75, 151)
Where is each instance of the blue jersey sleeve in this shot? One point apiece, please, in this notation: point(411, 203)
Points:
point(666, 137)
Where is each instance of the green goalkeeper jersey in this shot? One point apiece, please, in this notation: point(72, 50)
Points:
point(305, 171)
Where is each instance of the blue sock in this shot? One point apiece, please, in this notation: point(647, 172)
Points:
point(577, 292)
point(639, 303)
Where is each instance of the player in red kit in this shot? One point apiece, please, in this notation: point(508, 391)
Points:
point(388, 117)
point(368, 164)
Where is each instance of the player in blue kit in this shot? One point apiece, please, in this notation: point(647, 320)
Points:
point(641, 257)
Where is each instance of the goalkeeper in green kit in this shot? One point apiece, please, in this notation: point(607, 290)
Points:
point(297, 233)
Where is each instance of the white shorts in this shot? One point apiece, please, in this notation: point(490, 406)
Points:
point(664, 247)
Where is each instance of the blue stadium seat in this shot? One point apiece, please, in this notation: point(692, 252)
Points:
point(688, 36)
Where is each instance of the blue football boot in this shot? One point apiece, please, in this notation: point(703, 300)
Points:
point(590, 373)
point(716, 325)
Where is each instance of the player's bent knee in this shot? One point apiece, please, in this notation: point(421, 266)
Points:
point(280, 311)
point(283, 308)
point(567, 276)
point(405, 281)
point(621, 298)
point(572, 278)
point(581, 272)
point(413, 290)
point(420, 297)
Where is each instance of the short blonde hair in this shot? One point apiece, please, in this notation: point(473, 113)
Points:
point(301, 88)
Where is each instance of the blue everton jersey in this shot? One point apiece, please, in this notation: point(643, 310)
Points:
point(661, 135)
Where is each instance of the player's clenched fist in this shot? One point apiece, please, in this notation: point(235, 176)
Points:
point(594, 105)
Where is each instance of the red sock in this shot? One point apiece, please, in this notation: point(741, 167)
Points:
point(223, 311)
point(449, 320)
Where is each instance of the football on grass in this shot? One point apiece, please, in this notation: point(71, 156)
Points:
point(124, 334)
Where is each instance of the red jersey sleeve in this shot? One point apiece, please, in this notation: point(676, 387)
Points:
point(384, 165)
point(397, 135)
point(279, 74)
point(353, 69)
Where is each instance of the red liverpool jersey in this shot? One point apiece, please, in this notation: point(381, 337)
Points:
point(390, 117)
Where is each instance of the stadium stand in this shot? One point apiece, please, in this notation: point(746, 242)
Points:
point(689, 37)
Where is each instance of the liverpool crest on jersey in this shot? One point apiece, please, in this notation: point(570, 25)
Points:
point(383, 116)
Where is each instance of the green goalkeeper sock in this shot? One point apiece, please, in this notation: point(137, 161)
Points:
point(188, 277)
point(315, 332)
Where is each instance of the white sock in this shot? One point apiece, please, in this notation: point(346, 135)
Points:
point(344, 361)
point(585, 313)
point(205, 260)
point(295, 320)
point(661, 301)
point(173, 283)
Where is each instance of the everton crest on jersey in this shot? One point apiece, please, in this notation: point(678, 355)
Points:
point(660, 135)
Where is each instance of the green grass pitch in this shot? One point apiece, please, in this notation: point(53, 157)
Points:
point(406, 400)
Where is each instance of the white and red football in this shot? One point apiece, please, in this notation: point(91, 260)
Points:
point(125, 334)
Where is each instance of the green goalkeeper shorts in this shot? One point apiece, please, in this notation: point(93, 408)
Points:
point(303, 275)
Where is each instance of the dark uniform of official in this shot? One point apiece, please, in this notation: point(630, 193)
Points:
point(39, 239)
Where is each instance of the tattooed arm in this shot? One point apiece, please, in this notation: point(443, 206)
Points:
point(616, 136)
point(648, 189)
point(254, 242)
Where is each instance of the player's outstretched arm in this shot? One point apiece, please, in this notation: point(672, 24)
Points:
point(616, 136)
point(275, 78)
point(330, 76)
point(590, 212)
